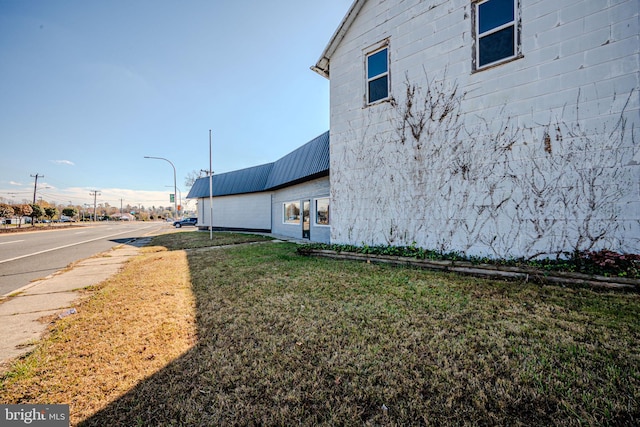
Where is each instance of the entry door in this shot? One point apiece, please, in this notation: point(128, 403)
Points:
point(306, 225)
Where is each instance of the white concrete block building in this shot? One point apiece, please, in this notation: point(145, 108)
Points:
point(489, 127)
point(289, 197)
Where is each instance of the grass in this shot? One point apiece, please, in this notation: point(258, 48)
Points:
point(195, 240)
point(257, 335)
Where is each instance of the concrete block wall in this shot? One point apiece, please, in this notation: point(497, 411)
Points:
point(563, 112)
point(245, 211)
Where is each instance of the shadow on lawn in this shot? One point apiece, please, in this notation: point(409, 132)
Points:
point(278, 345)
point(233, 377)
point(172, 396)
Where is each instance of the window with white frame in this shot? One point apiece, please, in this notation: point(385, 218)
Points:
point(322, 211)
point(291, 213)
point(377, 72)
point(496, 32)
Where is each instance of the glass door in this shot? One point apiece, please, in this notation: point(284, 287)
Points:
point(306, 224)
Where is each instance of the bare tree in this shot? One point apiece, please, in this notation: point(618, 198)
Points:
point(191, 178)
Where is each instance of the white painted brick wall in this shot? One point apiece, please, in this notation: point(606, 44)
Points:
point(573, 51)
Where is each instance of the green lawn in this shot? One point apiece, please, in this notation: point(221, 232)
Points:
point(283, 339)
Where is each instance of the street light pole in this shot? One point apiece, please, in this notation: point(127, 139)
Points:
point(179, 200)
point(210, 191)
point(175, 193)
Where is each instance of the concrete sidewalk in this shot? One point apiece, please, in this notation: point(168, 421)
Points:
point(20, 325)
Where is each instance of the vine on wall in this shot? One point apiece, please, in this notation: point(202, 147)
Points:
point(491, 186)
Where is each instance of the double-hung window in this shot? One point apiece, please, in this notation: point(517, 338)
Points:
point(496, 32)
point(377, 72)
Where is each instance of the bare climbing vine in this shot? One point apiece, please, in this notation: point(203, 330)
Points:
point(489, 186)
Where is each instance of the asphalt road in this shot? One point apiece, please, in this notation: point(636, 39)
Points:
point(28, 256)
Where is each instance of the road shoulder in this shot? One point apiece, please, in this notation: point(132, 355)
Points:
point(24, 314)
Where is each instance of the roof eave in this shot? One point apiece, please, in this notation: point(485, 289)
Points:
point(322, 66)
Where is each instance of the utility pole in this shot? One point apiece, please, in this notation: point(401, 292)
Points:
point(95, 194)
point(35, 186)
point(210, 191)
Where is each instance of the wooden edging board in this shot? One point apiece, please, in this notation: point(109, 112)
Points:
point(490, 271)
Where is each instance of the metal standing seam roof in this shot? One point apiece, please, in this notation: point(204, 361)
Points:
point(307, 162)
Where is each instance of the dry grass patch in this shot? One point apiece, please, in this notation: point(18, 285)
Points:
point(134, 325)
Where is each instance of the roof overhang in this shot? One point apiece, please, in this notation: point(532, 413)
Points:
point(322, 66)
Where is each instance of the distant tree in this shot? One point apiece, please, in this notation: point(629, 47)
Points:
point(70, 212)
point(22, 211)
point(50, 212)
point(36, 213)
point(6, 211)
point(191, 178)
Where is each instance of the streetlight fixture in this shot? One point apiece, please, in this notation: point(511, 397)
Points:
point(175, 193)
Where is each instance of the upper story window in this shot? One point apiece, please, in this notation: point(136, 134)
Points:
point(496, 32)
point(377, 71)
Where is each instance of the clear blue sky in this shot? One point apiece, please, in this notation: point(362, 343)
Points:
point(88, 88)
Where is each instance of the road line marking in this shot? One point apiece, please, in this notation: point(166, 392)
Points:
point(66, 246)
point(13, 241)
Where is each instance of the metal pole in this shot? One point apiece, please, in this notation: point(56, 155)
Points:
point(210, 191)
point(95, 194)
point(179, 200)
point(35, 186)
point(175, 193)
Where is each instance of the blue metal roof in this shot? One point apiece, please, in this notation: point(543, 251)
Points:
point(307, 162)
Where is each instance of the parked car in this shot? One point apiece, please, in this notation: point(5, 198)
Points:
point(186, 221)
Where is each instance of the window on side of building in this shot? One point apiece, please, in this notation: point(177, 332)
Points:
point(496, 32)
point(322, 211)
point(377, 72)
point(291, 213)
